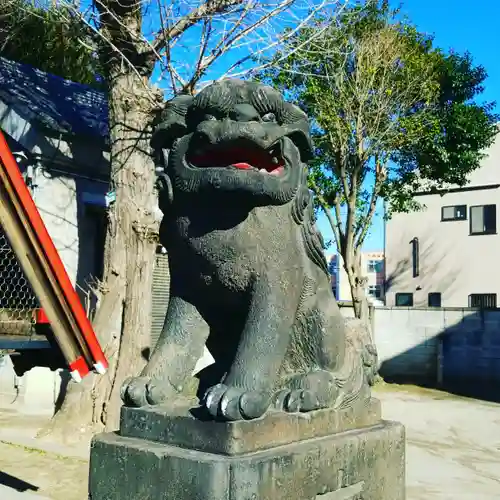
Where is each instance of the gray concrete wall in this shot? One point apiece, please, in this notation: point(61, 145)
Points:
point(439, 345)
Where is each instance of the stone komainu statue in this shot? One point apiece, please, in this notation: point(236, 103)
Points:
point(248, 274)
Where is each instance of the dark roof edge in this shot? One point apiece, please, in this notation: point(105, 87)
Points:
point(83, 86)
point(442, 192)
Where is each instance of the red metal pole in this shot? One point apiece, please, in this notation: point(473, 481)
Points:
point(100, 363)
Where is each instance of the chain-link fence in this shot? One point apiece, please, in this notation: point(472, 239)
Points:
point(17, 300)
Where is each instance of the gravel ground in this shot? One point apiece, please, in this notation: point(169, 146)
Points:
point(453, 450)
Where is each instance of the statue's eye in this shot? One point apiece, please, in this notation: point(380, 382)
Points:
point(269, 117)
point(209, 118)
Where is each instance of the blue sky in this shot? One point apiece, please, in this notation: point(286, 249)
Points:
point(458, 25)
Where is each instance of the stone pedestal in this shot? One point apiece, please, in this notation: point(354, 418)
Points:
point(327, 454)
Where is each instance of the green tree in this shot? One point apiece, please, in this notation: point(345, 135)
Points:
point(51, 38)
point(392, 114)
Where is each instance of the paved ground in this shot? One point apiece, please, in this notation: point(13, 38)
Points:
point(35, 475)
point(30, 470)
point(453, 444)
point(453, 451)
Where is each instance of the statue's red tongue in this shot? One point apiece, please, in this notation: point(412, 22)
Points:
point(253, 158)
point(242, 165)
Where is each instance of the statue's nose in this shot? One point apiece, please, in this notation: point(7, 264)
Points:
point(251, 129)
point(244, 113)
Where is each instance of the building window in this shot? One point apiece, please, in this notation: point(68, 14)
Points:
point(98, 220)
point(483, 300)
point(375, 266)
point(434, 299)
point(332, 266)
point(375, 291)
point(404, 300)
point(454, 212)
point(415, 257)
point(483, 219)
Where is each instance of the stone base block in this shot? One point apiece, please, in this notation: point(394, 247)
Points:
point(179, 426)
point(359, 464)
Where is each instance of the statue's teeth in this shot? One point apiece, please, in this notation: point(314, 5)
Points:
point(274, 160)
point(263, 170)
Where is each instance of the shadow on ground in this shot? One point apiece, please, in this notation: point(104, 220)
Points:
point(16, 483)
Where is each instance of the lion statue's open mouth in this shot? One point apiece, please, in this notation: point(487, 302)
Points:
point(238, 138)
point(242, 155)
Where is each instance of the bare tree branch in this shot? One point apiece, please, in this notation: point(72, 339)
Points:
point(207, 9)
point(193, 36)
point(335, 222)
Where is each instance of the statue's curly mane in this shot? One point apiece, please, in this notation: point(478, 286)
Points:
point(303, 214)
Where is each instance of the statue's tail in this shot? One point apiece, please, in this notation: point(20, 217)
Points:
point(360, 367)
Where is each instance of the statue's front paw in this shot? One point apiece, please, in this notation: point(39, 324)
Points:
point(233, 403)
point(141, 391)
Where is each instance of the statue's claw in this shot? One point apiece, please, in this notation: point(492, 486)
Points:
point(294, 401)
point(312, 391)
point(233, 403)
point(141, 391)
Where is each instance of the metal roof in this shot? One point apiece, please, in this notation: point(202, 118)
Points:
point(56, 103)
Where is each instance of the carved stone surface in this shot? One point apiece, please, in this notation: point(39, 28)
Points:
point(248, 275)
point(361, 464)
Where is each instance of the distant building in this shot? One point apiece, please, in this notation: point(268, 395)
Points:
point(372, 265)
point(447, 254)
point(333, 269)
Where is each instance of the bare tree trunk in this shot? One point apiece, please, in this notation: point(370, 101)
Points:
point(133, 235)
point(123, 319)
point(344, 238)
point(357, 282)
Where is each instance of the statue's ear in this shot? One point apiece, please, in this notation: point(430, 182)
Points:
point(167, 132)
point(171, 123)
point(296, 124)
point(299, 134)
